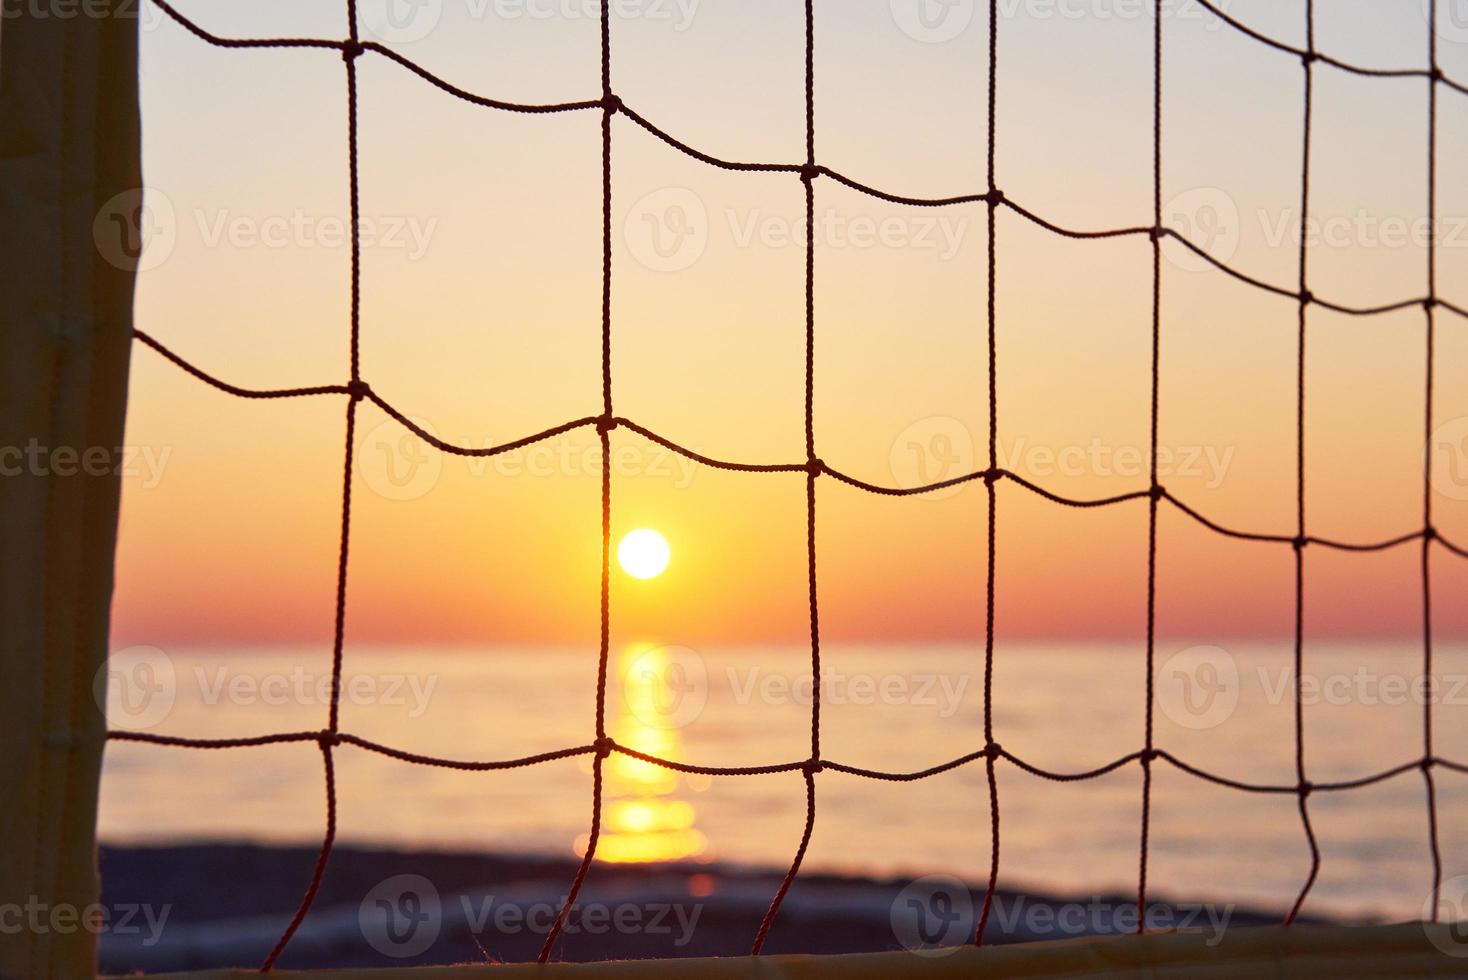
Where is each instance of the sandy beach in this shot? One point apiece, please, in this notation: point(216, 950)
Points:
point(223, 904)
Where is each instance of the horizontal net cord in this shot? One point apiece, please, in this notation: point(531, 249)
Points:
point(235, 390)
point(352, 46)
point(1315, 55)
point(613, 104)
point(609, 745)
point(295, 42)
point(361, 389)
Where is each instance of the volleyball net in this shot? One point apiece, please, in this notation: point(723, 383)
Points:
point(813, 469)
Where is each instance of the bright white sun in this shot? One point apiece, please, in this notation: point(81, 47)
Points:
point(643, 553)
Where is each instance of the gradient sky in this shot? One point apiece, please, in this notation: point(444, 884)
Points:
point(487, 326)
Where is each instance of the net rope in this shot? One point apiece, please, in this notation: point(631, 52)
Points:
point(329, 739)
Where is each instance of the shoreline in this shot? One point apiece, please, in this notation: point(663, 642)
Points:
point(219, 904)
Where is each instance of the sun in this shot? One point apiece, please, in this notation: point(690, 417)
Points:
point(643, 553)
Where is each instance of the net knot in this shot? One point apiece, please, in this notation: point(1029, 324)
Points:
point(1306, 297)
point(604, 747)
point(1156, 233)
point(611, 103)
point(1429, 533)
point(1436, 74)
point(359, 390)
point(993, 751)
point(328, 739)
point(1305, 789)
point(351, 51)
point(812, 766)
point(1299, 541)
point(996, 197)
point(1157, 492)
point(1427, 763)
point(1430, 303)
point(992, 477)
point(809, 172)
point(605, 424)
point(1309, 58)
point(1149, 755)
point(815, 466)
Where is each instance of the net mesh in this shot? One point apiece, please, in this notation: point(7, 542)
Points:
point(609, 105)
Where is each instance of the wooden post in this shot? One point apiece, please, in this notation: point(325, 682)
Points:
point(69, 146)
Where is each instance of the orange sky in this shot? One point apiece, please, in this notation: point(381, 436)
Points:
point(481, 295)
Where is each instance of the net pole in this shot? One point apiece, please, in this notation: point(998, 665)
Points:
point(604, 426)
point(991, 478)
point(1155, 489)
point(1303, 787)
point(1428, 532)
point(813, 468)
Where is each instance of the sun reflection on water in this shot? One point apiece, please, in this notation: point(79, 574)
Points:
point(642, 820)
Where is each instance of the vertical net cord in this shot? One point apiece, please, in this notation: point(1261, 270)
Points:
point(604, 428)
point(329, 739)
point(1149, 751)
point(991, 748)
point(1302, 784)
point(813, 467)
point(1428, 533)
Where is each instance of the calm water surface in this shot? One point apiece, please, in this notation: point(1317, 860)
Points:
point(897, 708)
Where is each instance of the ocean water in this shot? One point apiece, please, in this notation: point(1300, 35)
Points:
point(898, 708)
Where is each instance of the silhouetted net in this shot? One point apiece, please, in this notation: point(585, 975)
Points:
point(808, 172)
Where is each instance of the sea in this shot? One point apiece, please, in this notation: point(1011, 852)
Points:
point(1066, 709)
